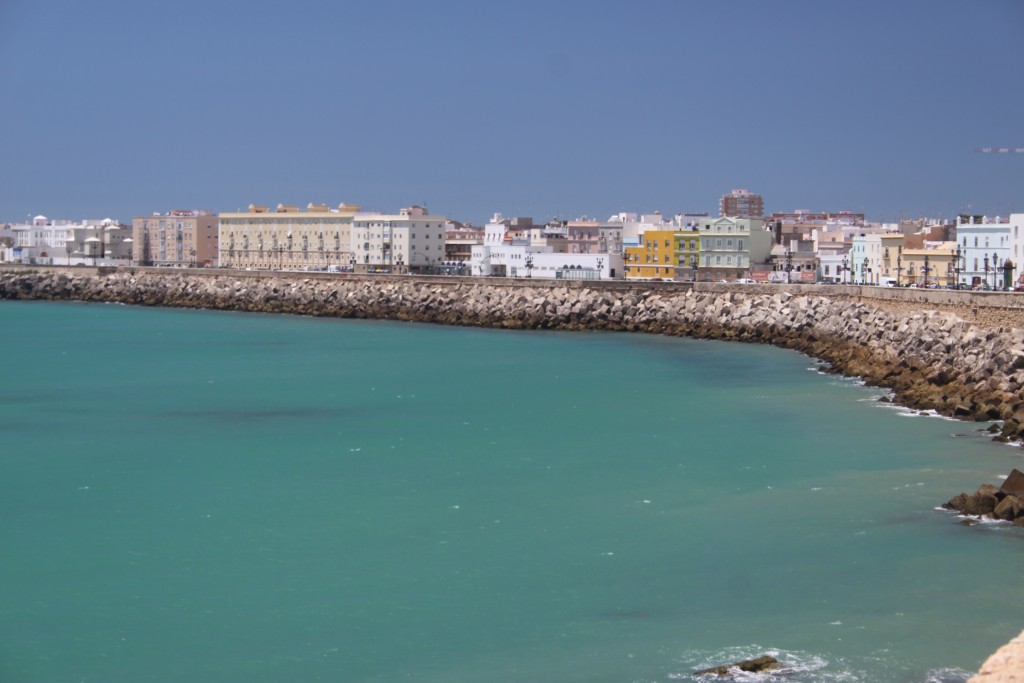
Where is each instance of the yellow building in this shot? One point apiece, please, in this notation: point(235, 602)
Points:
point(654, 259)
point(687, 246)
point(929, 267)
point(287, 238)
point(892, 267)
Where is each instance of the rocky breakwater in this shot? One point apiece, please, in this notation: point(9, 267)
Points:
point(932, 360)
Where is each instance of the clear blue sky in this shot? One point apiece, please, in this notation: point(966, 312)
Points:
point(118, 108)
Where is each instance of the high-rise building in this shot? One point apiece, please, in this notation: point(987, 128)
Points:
point(741, 203)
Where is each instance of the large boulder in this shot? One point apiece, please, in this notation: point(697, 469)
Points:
point(1014, 484)
point(1008, 509)
point(981, 502)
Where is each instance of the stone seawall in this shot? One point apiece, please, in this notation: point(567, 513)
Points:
point(918, 344)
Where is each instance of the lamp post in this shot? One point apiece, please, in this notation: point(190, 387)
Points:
point(925, 270)
point(68, 246)
point(600, 267)
point(956, 266)
point(986, 270)
point(845, 270)
point(899, 270)
point(995, 271)
point(529, 265)
point(863, 271)
point(129, 242)
point(191, 258)
point(789, 267)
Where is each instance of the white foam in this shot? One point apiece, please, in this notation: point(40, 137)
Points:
point(948, 675)
point(790, 662)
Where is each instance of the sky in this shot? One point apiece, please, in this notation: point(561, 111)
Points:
point(549, 109)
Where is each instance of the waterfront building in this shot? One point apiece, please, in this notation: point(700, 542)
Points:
point(410, 241)
point(866, 257)
point(929, 267)
point(538, 253)
point(458, 247)
point(741, 203)
point(654, 259)
point(794, 261)
point(43, 241)
point(730, 246)
point(687, 249)
point(891, 268)
point(833, 268)
point(177, 238)
point(287, 238)
point(986, 244)
point(1017, 247)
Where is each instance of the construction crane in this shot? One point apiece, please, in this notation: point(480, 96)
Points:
point(999, 150)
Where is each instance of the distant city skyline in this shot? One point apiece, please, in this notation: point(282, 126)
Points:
point(117, 109)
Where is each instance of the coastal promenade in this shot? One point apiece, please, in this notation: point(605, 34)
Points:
point(958, 353)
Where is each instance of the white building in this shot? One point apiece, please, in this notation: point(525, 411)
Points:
point(411, 241)
point(501, 256)
point(866, 258)
point(63, 242)
point(985, 244)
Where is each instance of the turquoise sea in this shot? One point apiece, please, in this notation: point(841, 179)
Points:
point(218, 497)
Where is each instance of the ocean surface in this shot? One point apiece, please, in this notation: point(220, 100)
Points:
point(215, 497)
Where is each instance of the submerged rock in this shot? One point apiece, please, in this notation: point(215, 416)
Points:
point(762, 663)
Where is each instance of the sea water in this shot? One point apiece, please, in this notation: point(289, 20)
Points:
point(213, 497)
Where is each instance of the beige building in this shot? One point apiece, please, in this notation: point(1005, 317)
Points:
point(288, 238)
point(411, 241)
point(176, 238)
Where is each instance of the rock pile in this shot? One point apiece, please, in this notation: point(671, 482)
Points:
point(1005, 503)
point(931, 360)
point(762, 663)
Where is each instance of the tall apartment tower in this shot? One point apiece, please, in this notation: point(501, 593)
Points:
point(741, 204)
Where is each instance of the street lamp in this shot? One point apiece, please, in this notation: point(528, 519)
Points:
point(995, 271)
point(842, 277)
point(899, 269)
point(129, 242)
point(956, 267)
point(600, 267)
point(529, 265)
point(986, 270)
point(789, 267)
point(925, 270)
